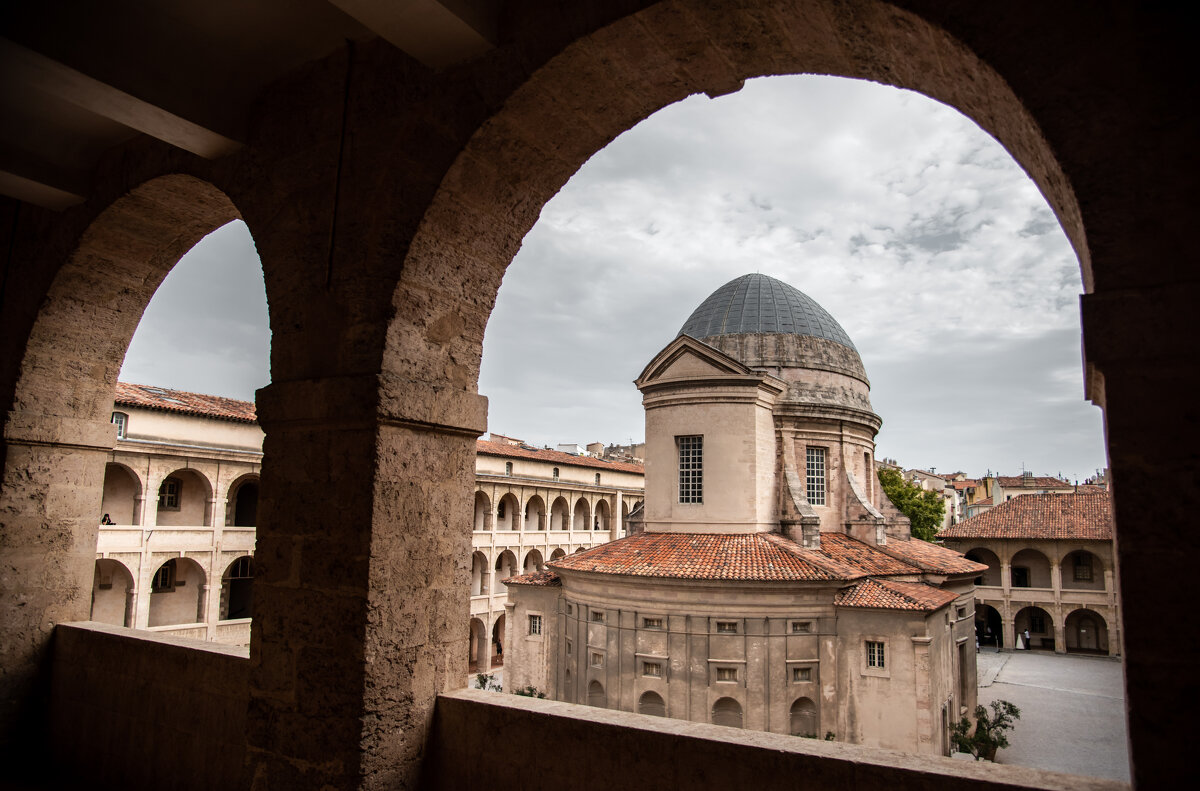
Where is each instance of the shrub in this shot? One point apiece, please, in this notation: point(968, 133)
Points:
point(990, 733)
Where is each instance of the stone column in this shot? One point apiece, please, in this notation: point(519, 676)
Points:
point(203, 610)
point(52, 485)
point(1060, 628)
point(618, 520)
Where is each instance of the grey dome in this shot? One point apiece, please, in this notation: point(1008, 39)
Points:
point(760, 304)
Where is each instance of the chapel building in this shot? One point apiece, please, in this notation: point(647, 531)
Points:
point(774, 587)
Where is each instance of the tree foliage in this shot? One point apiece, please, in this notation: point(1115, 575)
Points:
point(990, 733)
point(530, 691)
point(924, 508)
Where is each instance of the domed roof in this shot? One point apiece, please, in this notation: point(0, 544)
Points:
point(757, 303)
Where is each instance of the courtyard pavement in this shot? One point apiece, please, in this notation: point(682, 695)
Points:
point(1072, 711)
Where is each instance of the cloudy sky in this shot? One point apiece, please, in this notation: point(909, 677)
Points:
point(909, 224)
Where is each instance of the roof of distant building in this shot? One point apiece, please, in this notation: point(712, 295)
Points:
point(1032, 482)
point(1050, 516)
point(553, 456)
point(966, 484)
point(894, 595)
point(539, 579)
point(182, 402)
point(984, 501)
point(756, 303)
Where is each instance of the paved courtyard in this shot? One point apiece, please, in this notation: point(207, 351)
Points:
point(1072, 711)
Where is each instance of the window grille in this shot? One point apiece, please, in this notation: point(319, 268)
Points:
point(726, 674)
point(816, 476)
point(875, 656)
point(801, 674)
point(652, 669)
point(535, 624)
point(691, 468)
point(727, 627)
point(168, 493)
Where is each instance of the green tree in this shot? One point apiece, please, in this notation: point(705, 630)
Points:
point(924, 508)
point(990, 730)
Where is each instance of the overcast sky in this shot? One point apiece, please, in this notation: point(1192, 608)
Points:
point(908, 223)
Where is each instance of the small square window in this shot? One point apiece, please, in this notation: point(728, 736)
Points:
point(727, 627)
point(801, 674)
point(652, 669)
point(962, 612)
point(535, 624)
point(1037, 624)
point(597, 659)
point(801, 627)
point(726, 674)
point(652, 623)
point(597, 616)
point(875, 656)
point(1083, 568)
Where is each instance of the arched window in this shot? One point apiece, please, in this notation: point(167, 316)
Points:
point(727, 711)
point(556, 473)
point(803, 718)
point(652, 703)
point(596, 696)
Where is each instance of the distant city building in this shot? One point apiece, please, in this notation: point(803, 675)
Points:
point(774, 586)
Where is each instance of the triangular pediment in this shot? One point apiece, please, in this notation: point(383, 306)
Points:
point(687, 358)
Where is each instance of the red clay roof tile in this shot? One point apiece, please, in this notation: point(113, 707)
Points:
point(544, 579)
point(933, 558)
point(184, 403)
point(1070, 516)
point(893, 595)
point(486, 448)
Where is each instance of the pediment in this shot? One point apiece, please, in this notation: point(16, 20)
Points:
point(687, 358)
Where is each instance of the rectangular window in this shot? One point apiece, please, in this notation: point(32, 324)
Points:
point(597, 659)
point(570, 609)
point(568, 648)
point(1083, 568)
point(652, 623)
point(120, 420)
point(691, 468)
point(597, 616)
point(652, 669)
point(726, 627)
point(535, 624)
point(726, 674)
point(962, 613)
point(801, 674)
point(801, 627)
point(875, 656)
point(815, 458)
point(1020, 577)
point(1037, 624)
point(168, 494)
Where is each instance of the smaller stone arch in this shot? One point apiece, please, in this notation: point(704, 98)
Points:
point(600, 519)
point(498, 641)
point(122, 489)
point(989, 626)
point(557, 554)
point(483, 512)
point(989, 558)
point(1083, 570)
point(579, 549)
point(560, 514)
point(1086, 632)
point(237, 589)
point(177, 593)
point(581, 519)
point(652, 703)
point(596, 696)
point(112, 589)
point(477, 647)
point(506, 566)
point(728, 712)
point(1030, 569)
point(243, 501)
point(508, 513)
point(535, 514)
point(533, 562)
point(803, 718)
point(185, 499)
point(1040, 626)
point(479, 574)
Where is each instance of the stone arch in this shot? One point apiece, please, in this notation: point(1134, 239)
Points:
point(1086, 632)
point(506, 566)
point(802, 718)
point(479, 573)
point(1083, 570)
point(508, 512)
point(535, 513)
point(177, 593)
point(558, 553)
point(989, 625)
point(498, 641)
point(652, 703)
point(1030, 569)
point(728, 712)
point(184, 499)
point(112, 588)
point(596, 696)
point(1038, 623)
point(989, 558)
point(601, 517)
point(122, 488)
point(237, 589)
point(476, 646)
point(483, 512)
point(533, 562)
point(560, 514)
point(243, 501)
point(581, 516)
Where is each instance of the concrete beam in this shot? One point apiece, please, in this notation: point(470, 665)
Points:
point(20, 64)
point(439, 33)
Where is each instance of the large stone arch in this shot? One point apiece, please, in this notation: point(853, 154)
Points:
point(120, 500)
point(990, 559)
point(111, 593)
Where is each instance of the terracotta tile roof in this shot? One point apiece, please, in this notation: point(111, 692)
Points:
point(865, 559)
point(751, 557)
point(893, 595)
point(556, 457)
point(543, 579)
point(1050, 516)
point(967, 484)
point(984, 501)
point(1020, 482)
point(933, 558)
point(184, 403)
